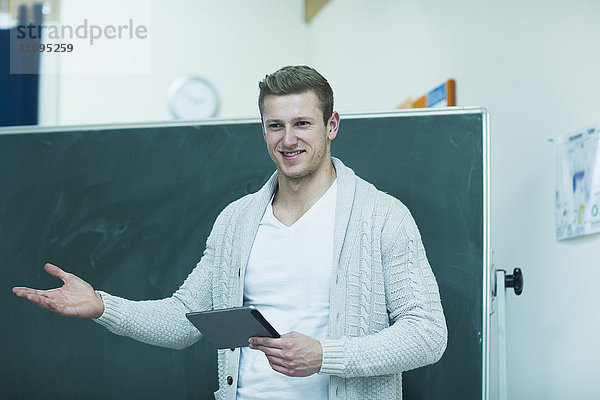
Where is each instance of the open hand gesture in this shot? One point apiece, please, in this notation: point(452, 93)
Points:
point(76, 298)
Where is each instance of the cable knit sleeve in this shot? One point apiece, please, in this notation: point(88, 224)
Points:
point(163, 322)
point(417, 334)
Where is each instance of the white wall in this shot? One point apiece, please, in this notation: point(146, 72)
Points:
point(231, 43)
point(535, 66)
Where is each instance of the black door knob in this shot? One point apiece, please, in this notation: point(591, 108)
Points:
point(515, 281)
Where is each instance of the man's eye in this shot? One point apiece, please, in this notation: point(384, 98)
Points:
point(275, 126)
point(302, 123)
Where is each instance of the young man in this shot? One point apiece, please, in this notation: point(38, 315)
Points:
point(324, 255)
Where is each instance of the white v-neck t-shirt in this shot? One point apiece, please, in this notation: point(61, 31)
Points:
point(287, 280)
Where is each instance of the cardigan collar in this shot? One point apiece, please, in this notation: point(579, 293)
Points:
point(346, 181)
point(346, 187)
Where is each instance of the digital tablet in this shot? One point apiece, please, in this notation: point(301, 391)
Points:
point(232, 327)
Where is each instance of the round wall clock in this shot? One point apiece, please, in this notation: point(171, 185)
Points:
point(192, 97)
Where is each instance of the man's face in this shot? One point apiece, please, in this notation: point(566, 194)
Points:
point(297, 138)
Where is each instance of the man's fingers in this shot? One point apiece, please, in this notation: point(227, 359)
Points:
point(293, 354)
point(56, 272)
point(38, 297)
point(280, 368)
point(269, 346)
point(266, 342)
point(281, 361)
point(269, 351)
point(30, 294)
point(23, 291)
point(52, 270)
point(18, 290)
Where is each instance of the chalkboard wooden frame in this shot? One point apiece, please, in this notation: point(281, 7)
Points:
point(94, 198)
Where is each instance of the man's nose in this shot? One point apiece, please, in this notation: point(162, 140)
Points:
point(289, 137)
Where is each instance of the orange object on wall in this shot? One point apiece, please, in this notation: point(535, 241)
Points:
point(442, 96)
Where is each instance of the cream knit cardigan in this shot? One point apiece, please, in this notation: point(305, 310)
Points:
point(385, 312)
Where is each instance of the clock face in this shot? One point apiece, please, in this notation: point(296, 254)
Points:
point(192, 97)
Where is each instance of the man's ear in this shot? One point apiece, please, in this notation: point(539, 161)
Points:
point(333, 124)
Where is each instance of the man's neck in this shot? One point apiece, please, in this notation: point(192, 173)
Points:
point(295, 197)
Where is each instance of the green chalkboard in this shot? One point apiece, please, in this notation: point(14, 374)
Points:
point(128, 208)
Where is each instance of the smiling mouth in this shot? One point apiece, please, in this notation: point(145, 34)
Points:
point(291, 153)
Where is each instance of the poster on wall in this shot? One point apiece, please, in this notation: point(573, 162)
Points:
point(578, 183)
